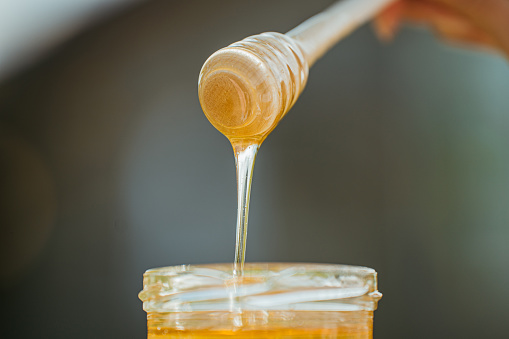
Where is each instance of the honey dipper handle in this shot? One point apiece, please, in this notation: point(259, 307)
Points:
point(322, 31)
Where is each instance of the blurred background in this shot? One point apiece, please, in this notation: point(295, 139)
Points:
point(395, 157)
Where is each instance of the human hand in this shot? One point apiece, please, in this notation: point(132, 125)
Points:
point(483, 23)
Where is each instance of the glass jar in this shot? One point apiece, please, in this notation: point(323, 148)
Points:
point(270, 300)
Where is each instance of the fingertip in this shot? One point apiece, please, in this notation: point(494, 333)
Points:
point(383, 32)
point(387, 22)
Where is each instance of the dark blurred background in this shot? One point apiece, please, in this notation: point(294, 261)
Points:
point(395, 157)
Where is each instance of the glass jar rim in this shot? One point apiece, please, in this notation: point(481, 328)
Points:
point(263, 286)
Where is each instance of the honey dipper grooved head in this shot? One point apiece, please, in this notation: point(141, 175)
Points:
point(247, 87)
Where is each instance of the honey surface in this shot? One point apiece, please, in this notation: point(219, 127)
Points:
point(261, 324)
point(350, 333)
